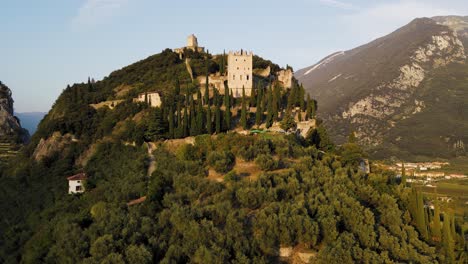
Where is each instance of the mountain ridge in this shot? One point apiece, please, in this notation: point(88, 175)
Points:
point(371, 89)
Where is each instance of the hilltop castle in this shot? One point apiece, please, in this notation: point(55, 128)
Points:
point(239, 69)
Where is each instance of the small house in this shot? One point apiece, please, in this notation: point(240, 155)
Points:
point(76, 183)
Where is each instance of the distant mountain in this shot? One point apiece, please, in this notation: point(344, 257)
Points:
point(404, 95)
point(30, 120)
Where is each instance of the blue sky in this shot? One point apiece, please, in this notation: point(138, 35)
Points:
point(47, 44)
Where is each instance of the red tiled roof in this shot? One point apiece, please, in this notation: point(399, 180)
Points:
point(137, 201)
point(77, 177)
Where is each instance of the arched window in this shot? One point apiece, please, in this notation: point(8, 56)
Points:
point(233, 77)
point(247, 77)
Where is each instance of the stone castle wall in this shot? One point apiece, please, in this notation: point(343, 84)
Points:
point(240, 66)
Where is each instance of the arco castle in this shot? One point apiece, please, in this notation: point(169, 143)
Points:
point(240, 72)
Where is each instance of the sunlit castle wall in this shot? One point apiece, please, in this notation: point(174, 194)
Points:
point(240, 72)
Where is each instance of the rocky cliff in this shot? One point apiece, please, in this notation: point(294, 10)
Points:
point(376, 89)
point(10, 127)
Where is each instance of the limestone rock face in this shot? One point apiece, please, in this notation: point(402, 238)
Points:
point(10, 127)
point(54, 144)
point(285, 77)
point(385, 88)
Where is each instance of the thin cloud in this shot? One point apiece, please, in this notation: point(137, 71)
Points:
point(339, 4)
point(94, 12)
point(381, 19)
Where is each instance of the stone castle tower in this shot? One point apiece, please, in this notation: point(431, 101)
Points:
point(192, 44)
point(192, 41)
point(240, 64)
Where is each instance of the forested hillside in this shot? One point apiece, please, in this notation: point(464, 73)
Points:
point(197, 205)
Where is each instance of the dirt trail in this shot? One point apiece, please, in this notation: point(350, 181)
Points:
point(152, 161)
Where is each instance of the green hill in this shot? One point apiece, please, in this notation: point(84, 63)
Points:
point(153, 194)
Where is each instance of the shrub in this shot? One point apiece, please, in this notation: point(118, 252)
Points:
point(266, 162)
point(231, 176)
point(221, 161)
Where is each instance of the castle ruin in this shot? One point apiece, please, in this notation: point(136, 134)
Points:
point(192, 44)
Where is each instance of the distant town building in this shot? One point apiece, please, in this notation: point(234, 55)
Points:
point(192, 44)
point(76, 183)
point(240, 64)
point(151, 98)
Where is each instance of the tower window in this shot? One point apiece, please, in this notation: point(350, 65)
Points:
point(247, 77)
point(233, 77)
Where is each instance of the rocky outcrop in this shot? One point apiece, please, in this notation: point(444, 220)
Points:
point(285, 77)
point(10, 127)
point(56, 143)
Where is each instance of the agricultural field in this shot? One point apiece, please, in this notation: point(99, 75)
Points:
point(454, 196)
point(7, 150)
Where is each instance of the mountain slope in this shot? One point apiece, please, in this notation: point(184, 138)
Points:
point(382, 88)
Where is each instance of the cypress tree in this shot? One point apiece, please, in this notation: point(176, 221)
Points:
point(301, 97)
point(193, 118)
point(200, 117)
point(452, 227)
point(292, 98)
point(269, 120)
point(185, 130)
point(244, 110)
point(231, 99)
point(253, 97)
point(420, 216)
point(171, 122)
point(403, 174)
point(259, 112)
point(308, 109)
point(179, 116)
point(436, 235)
point(209, 125)
point(299, 116)
point(227, 104)
point(276, 101)
point(447, 240)
point(314, 108)
point(217, 114)
point(207, 95)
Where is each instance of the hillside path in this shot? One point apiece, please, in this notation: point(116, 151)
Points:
point(152, 161)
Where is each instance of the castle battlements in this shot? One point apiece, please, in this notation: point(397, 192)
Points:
point(241, 53)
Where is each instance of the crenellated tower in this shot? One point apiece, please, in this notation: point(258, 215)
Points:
point(240, 64)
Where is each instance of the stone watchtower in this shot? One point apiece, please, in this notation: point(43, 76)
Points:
point(192, 42)
point(240, 64)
